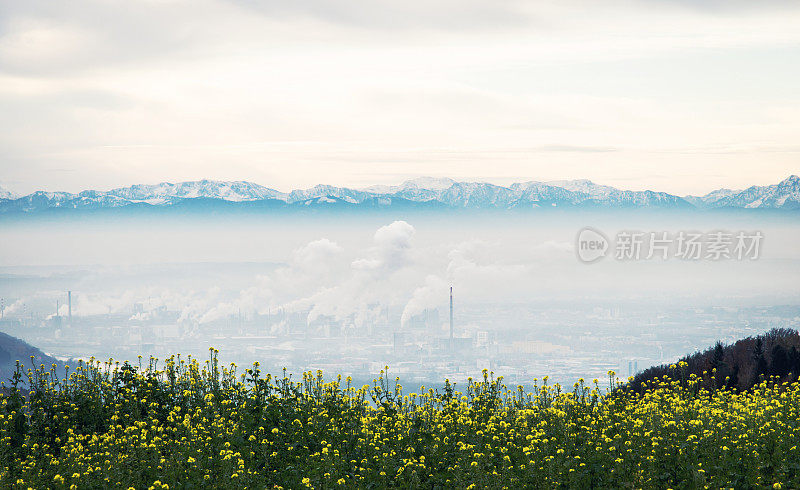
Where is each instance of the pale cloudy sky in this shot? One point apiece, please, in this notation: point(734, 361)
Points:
point(677, 95)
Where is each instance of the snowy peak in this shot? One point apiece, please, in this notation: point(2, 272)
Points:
point(7, 194)
point(327, 191)
point(790, 180)
point(783, 195)
point(166, 191)
point(604, 195)
point(788, 186)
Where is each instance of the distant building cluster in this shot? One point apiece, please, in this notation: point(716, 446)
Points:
point(521, 341)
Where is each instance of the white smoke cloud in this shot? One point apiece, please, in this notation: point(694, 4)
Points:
point(398, 268)
point(15, 308)
point(379, 276)
point(316, 255)
point(430, 295)
point(390, 251)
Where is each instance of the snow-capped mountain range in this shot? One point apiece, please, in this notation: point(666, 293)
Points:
point(424, 191)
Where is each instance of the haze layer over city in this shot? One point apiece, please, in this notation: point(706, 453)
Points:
point(350, 291)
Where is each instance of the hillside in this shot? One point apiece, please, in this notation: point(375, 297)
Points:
point(738, 366)
point(13, 349)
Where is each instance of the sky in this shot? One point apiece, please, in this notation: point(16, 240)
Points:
point(673, 95)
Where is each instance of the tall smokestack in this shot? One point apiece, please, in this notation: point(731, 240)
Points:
point(69, 300)
point(451, 315)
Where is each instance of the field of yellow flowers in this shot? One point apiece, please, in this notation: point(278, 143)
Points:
point(193, 424)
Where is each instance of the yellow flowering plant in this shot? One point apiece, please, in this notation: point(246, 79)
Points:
point(187, 423)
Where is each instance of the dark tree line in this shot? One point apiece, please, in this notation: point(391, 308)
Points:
point(738, 366)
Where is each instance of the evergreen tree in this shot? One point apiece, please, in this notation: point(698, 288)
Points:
point(794, 361)
point(719, 369)
point(780, 364)
point(733, 382)
point(760, 367)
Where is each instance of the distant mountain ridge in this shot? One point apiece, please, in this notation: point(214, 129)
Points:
point(424, 192)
